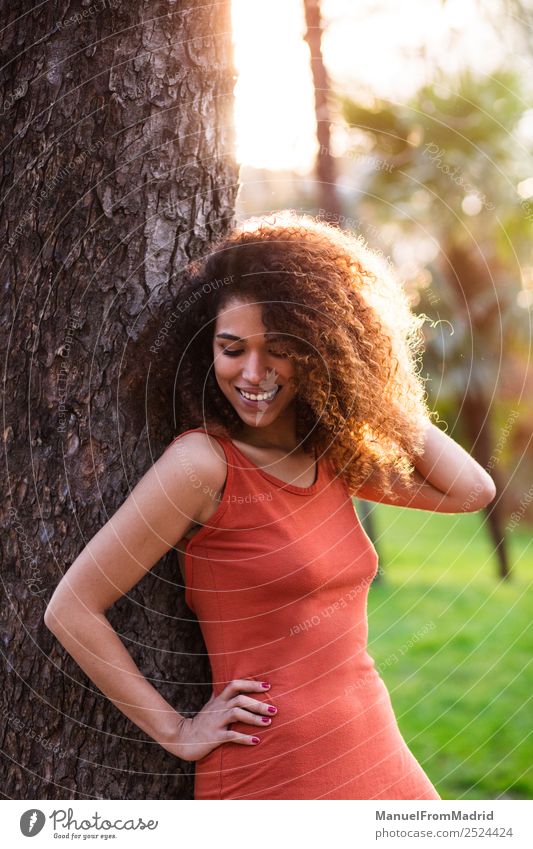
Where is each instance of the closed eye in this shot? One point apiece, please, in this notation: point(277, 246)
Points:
point(228, 353)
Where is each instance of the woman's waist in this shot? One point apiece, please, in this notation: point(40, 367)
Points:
point(310, 720)
point(302, 677)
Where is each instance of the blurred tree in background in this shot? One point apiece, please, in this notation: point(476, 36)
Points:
point(443, 182)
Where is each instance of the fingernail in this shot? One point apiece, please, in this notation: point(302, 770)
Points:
point(265, 719)
point(265, 685)
point(272, 709)
point(255, 739)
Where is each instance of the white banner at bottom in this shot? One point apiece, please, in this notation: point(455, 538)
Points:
point(361, 824)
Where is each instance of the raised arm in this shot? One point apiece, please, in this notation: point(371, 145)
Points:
point(160, 509)
point(446, 479)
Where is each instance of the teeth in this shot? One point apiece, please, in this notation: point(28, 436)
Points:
point(262, 396)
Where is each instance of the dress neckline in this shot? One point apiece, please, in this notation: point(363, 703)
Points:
point(290, 487)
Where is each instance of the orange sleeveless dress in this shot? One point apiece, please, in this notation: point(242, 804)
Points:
point(279, 580)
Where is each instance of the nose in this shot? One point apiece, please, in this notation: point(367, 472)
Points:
point(254, 369)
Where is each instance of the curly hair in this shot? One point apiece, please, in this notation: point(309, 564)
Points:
point(343, 318)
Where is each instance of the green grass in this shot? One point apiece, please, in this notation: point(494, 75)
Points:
point(454, 645)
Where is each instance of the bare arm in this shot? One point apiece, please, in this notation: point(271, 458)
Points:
point(446, 479)
point(450, 469)
point(99, 651)
point(157, 513)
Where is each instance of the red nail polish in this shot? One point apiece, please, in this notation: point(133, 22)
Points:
point(272, 709)
point(265, 685)
point(265, 719)
point(255, 739)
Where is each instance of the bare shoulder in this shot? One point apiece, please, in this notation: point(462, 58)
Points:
point(201, 459)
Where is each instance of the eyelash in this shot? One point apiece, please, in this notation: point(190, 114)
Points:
point(236, 353)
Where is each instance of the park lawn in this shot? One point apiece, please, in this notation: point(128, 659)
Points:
point(454, 645)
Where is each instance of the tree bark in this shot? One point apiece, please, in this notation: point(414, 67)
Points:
point(117, 168)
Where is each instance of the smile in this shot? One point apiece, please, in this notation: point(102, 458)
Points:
point(259, 396)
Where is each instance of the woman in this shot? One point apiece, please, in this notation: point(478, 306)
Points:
point(292, 352)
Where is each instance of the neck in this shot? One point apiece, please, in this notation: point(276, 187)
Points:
point(279, 434)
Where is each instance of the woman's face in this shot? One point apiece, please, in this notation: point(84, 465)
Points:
point(257, 382)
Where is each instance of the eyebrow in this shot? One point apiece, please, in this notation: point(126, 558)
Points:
point(268, 335)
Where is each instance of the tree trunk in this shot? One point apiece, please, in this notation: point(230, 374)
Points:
point(117, 168)
point(328, 199)
point(477, 425)
point(467, 277)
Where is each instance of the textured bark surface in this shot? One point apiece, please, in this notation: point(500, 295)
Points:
point(117, 167)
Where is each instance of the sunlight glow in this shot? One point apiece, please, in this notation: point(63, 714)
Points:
point(274, 109)
point(379, 46)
